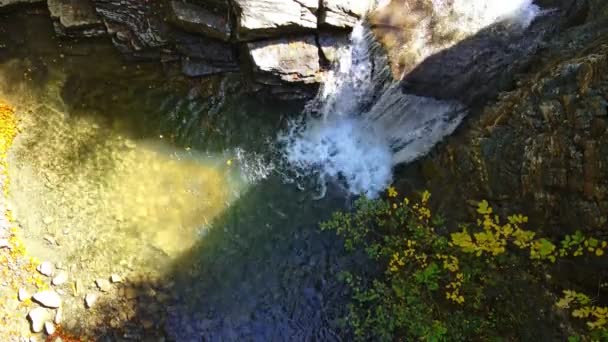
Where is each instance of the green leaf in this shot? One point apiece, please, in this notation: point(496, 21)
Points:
point(483, 208)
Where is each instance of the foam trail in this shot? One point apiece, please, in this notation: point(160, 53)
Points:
point(360, 125)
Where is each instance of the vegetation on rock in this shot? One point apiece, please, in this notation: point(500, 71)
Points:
point(491, 280)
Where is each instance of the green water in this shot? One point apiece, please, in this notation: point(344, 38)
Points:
point(129, 168)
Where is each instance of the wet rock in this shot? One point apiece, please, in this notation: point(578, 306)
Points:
point(288, 60)
point(103, 285)
point(46, 268)
point(49, 328)
point(60, 279)
point(37, 318)
point(23, 295)
point(331, 43)
point(343, 13)
point(271, 18)
point(90, 300)
point(76, 18)
point(196, 19)
point(49, 299)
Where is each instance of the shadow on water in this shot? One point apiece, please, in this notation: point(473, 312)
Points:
point(262, 272)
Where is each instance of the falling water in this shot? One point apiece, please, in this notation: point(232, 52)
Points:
point(360, 125)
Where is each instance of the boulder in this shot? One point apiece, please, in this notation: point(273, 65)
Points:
point(343, 13)
point(294, 60)
point(269, 18)
point(197, 19)
point(76, 18)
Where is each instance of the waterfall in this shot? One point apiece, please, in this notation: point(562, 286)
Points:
point(360, 124)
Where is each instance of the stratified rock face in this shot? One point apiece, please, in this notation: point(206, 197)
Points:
point(267, 18)
point(478, 67)
point(140, 31)
point(76, 18)
point(343, 13)
point(542, 149)
point(197, 19)
point(288, 60)
point(136, 26)
point(204, 56)
point(286, 46)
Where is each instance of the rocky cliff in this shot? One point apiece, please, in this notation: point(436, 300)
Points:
point(541, 147)
point(283, 45)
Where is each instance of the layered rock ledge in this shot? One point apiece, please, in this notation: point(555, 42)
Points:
point(283, 45)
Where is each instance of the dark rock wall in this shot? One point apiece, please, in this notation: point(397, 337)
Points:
point(542, 148)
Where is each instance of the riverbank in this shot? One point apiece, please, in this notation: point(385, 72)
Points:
point(17, 269)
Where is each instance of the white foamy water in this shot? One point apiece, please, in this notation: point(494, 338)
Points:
point(361, 125)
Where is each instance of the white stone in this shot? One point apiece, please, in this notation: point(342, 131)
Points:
point(49, 298)
point(23, 295)
point(49, 328)
point(58, 316)
point(90, 300)
point(103, 285)
point(277, 57)
point(37, 318)
point(266, 18)
point(4, 243)
point(46, 268)
point(60, 279)
point(115, 278)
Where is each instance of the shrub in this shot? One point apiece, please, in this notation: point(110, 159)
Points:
point(487, 281)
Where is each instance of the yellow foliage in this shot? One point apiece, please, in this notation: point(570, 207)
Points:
point(596, 316)
point(494, 238)
point(392, 192)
